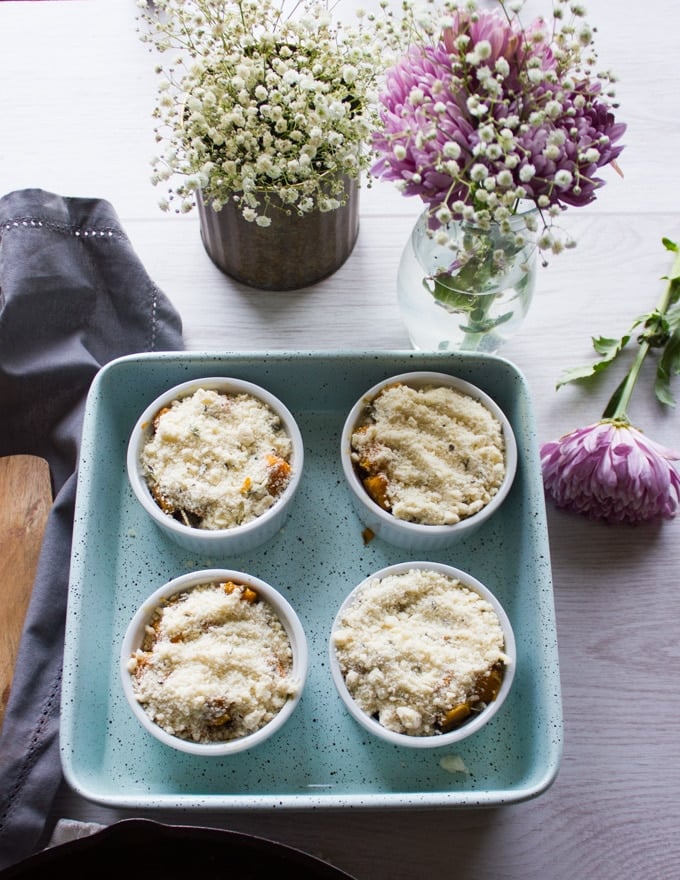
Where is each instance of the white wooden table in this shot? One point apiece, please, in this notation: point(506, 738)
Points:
point(76, 92)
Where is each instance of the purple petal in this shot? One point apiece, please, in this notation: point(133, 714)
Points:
point(442, 76)
point(611, 471)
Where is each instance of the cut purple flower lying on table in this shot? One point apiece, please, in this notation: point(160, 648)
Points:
point(611, 471)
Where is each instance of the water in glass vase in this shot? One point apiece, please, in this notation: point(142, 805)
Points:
point(475, 307)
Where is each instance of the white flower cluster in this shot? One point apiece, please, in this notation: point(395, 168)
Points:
point(260, 104)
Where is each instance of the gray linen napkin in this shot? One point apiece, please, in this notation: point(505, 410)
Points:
point(73, 296)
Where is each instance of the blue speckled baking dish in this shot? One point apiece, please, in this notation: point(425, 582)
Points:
point(322, 759)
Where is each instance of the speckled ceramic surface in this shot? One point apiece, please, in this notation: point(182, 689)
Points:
point(323, 759)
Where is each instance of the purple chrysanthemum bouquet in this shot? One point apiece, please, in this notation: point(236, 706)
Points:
point(483, 119)
point(610, 470)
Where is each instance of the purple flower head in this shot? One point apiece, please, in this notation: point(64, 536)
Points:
point(610, 471)
point(488, 114)
point(506, 40)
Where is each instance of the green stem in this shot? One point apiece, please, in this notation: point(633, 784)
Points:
point(617, 408)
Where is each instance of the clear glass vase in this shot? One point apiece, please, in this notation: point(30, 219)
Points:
point(449, 304)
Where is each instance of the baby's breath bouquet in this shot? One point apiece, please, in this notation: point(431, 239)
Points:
point(260, 101)
point(486, 117)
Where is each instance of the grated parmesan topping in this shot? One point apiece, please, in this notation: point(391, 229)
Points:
point(439, 453)
point(215, 460)
point(416, 645)
point(214, 665)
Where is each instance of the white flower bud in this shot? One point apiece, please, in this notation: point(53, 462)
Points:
point(443, 215)
point(451, 150)
point(553, 109)
point(483, 49)
point(563, 178)
point(478, 172)
point(502, 67)
point(527, 172)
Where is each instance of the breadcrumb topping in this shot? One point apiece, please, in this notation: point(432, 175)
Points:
point(215, 664)
point(420, 652)
point(429, 455)
point(216, 460)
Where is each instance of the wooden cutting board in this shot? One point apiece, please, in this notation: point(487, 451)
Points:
point(25, 501)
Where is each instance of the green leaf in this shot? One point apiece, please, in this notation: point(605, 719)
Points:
point(674, 277)
point(656, 330)
point(608, 348)
point(673, 317)
point(577, 373)
point(674, 289)
point(662, 387)
point(442, 290)
point(667, 367)
point(613, 404)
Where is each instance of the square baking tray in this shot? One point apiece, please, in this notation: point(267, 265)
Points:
point(322, 758)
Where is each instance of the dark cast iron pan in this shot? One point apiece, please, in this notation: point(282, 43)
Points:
point(145, 848)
